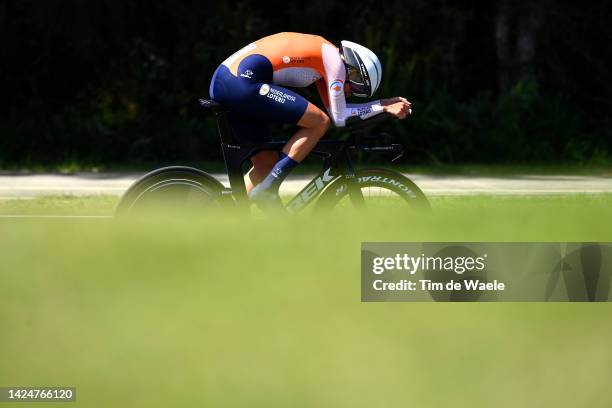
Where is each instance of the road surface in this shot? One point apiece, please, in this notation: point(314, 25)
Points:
point(17, 185)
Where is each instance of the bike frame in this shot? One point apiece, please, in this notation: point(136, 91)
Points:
point(334, 153)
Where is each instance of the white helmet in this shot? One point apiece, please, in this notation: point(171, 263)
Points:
point(363, 68)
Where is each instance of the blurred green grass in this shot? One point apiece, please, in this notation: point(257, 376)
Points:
point(60, 205)
point(223, 310)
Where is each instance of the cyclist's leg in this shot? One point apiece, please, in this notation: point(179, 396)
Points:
point(313, 125)
point(249, 130)
point(263, 162)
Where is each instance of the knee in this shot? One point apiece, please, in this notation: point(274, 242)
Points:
point(315, 120)
point(325, 122)
point(322, 123)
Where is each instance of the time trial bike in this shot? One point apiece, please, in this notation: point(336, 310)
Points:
point(337, 185)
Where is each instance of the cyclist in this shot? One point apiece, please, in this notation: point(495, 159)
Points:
point(250, 84)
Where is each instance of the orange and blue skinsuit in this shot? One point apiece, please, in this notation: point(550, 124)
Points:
point(251, 83)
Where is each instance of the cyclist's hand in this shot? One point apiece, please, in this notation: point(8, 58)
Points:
point(398, 107)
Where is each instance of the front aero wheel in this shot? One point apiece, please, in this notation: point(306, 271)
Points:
point(381, 189)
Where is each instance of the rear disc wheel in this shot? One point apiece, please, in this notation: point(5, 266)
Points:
point(172, 190)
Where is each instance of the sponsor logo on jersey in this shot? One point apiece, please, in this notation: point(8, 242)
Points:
point(247, 74)
point(361, 111)
point(277, 95)
point(265, 88)
point(336, 87)
point(296, 60)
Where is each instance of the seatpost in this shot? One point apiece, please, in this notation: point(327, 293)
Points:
point(233, 158)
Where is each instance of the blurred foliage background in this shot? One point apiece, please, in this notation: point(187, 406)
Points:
point(491, 81)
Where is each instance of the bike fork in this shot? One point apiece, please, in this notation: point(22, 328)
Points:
point(356, 194)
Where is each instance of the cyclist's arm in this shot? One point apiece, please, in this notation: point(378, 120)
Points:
point(331, 86)
point(331, 89)
point(364, 110)
point(361, 110)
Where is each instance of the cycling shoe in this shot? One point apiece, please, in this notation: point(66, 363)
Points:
point(267, 201)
